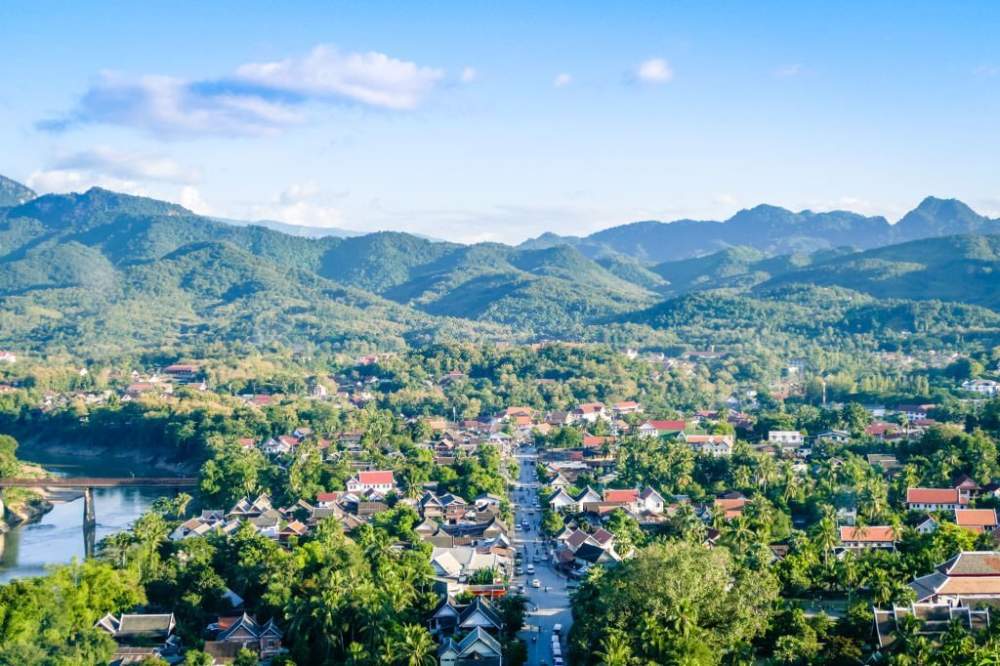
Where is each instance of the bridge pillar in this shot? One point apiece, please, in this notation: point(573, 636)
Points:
point(89, 515)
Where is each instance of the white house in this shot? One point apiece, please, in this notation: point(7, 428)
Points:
point(986, 387)
point(381, 481)
point(713, 445)
point(785, 437)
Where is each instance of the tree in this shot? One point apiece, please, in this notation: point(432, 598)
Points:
point(708, 605)
point(552, 522)
point(246, 657)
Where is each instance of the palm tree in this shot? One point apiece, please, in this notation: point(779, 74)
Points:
point(615, 650)
point(116, 547)
point(416, 647)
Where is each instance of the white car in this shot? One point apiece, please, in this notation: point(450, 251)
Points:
point(536, 583)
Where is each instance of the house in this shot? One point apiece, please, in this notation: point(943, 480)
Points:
point(785, 437)
point(883, 431)
point(651, 501)
point(562, 500)
point(480, 614)
point(731, 507)
point(478, 648)
point(935, 619)
point(7, 357)
point(182, 372)
point(834, 436)
point(986, 387)
point(935, 499)
point(874, 536)
point(886, 461)
point(659, 428)
point(971, 577)
point(140, 628)
point(914, 412)
point(590, 412)
point(243, 632)
point(928, 525)
point(977, 520)
point(382, 481)
point(713, 445)
point(625, 408)
point(628, 497)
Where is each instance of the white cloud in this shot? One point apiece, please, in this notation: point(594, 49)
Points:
point(192, 199)
point(126, 165)
point(468, 75)
point(788, 71)
point(170, 107)
point(49, 181)
point(298, 192)
point(259, 98)
point(562, 80)
point(654, 70)
point(370, 78)
point(298, 204)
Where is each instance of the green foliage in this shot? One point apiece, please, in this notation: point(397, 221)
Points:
point(707, 607)
point(51, 619)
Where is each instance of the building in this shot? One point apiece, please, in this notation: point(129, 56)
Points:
point(977, 520)
point(859, 538)
point(660, 428)
point(986, 387)
point(935, 499)
point(969, 578)
point(380, 481)
point(713, 445)
point(233, 634)
point(785, 437)
point(478, 648)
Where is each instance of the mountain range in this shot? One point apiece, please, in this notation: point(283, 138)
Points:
point(110, 271)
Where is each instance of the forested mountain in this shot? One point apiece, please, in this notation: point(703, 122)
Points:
point(774, 230)
point(109, 270)
point(13, 193)
point(954, 268)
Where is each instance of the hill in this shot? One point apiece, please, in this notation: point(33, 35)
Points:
point(13, 193)
point(963, 269)
point(774, 230)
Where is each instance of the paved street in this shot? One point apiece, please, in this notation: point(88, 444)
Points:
point(546, 608)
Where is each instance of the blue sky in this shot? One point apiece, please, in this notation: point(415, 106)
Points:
point(472, 123)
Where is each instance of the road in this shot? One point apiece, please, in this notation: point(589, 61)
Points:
point(545, 608)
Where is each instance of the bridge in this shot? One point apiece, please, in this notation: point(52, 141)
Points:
point(88, 483)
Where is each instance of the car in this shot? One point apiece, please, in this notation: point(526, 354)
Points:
point(557, 629)
point(531, 568)
point(535, 583)
point(519, 571)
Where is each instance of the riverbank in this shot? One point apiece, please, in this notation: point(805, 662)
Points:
point(21, 506)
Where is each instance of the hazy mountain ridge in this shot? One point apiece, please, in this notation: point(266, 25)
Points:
point(103, 269)
point(775, 230)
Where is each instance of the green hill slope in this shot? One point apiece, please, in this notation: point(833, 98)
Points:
point(963, 269)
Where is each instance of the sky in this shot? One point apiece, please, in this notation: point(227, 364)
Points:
point(500, 121)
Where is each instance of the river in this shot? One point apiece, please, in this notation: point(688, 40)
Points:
point(59, 536)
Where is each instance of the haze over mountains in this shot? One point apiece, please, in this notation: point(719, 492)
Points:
point(107, 269)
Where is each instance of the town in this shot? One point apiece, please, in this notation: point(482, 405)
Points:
point(869, 528)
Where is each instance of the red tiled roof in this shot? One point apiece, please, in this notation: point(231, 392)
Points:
point(871, 534)
point(934, 496)
point(375, 478)
point(589, 407)
point(623, 495)
point(976, 517)
point(668, 426)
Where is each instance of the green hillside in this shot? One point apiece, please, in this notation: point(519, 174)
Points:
point(963, 269)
